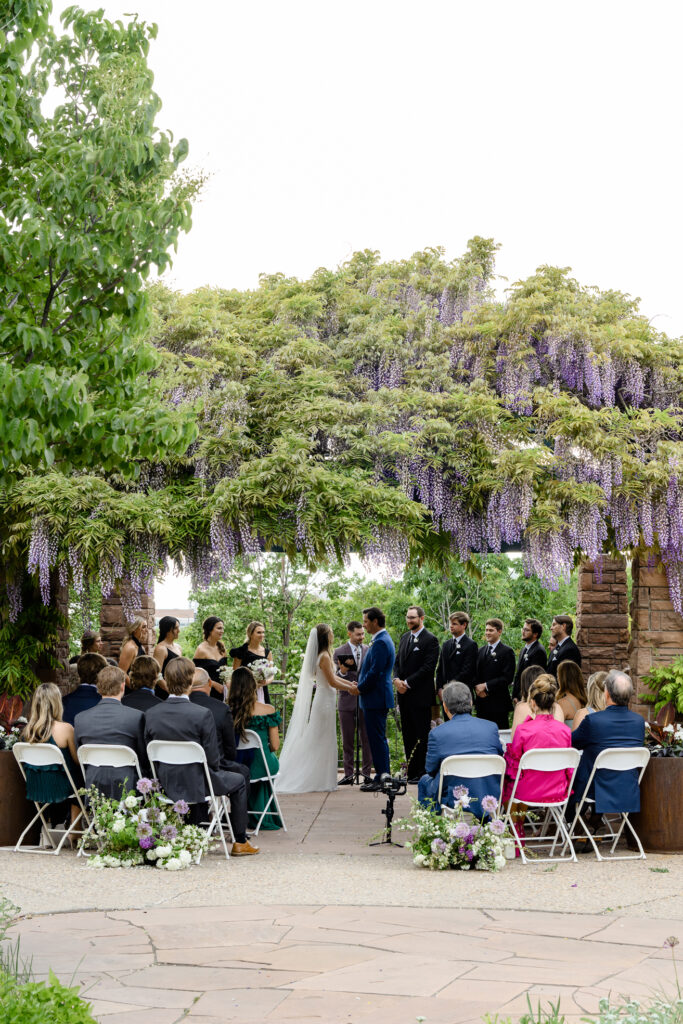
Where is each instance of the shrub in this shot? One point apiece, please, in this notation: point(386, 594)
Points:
point(40, 1002)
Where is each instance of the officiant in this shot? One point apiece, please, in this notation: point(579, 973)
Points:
point(418, 654)
point(348, 660)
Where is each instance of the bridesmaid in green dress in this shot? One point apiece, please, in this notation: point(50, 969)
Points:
point(249, 713)
point(49, 783)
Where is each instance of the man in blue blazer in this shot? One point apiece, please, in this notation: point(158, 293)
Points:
point(86, 695)
point(461, 734)
point(377, 692)
point(616, 726)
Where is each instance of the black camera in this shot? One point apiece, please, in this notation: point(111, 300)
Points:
point(394, 785)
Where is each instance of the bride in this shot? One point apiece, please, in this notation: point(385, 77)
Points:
point(309, 759)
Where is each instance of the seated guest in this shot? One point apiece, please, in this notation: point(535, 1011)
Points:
point(86, 694)
point(461, 734)
point(523, 709)
point(571, 694)
point(222, 717)
point(541, 729)
point(249, 713)
point(180, 720)
point(110, 723)
point(49, 783)
point(616, 726)
point(142, 677)
point(595, 689)
point(91, 643)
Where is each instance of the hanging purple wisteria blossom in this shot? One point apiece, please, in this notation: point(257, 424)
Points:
point(14, 598)
point(225, 543)
point(42, 555)
point(387, 551)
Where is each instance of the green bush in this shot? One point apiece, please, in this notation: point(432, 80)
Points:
point(40, 1002)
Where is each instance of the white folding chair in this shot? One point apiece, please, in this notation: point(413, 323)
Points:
point(179, 752)
point(109, 755)
point(252, 741)
point(471, 766)
point(505, 736)
point(39, 755)
point(616, 759)
point(546, 759)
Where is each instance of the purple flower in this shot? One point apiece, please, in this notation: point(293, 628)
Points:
point(459, 792)
point(469, 854)
point(497, 826)
point(169, 832)
point(461, 830)
point(181, 807)
point(144, 786)
point(156, 786)
point(143, 830)
point(438, 845)
point(490, 804)
point(146, 843)
point(153, 814)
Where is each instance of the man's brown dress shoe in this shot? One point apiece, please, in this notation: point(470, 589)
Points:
point(243, 849)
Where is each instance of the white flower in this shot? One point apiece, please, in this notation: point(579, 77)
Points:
point(162, 817)
point(499, 862)
point(160, 863)
point(173, 864)
point(118, 825)
point(141, 815)
point(131, 802)
point(419, 859)
point(164, 851)
point(185, 857)
point(126, 863)
point(111, 862)
point(152, 855)
point(95, 862)
point(668, 728)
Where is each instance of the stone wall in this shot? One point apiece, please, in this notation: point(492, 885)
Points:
point(113, 623)
point(602, 616)
point(656, 629)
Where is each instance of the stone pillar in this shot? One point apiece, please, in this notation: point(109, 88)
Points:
point(656, 629)
point(602, 616)
point(113, 623)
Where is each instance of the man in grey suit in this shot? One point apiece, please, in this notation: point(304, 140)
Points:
point(111, 722)
point(180, 720)
point(348, 658)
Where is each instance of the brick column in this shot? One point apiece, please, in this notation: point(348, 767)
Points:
point(602, 616)
point(656, 629)
point(113, 623)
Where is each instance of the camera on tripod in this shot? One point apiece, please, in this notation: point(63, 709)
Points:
point(393, 785)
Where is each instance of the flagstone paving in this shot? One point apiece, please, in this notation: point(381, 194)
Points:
point(320, 927)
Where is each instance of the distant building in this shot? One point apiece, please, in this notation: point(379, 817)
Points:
point(184, 615)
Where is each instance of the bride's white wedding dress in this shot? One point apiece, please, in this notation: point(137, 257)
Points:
point(309, 759)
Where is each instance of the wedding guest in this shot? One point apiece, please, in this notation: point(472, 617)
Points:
point(571, 694)
point(565, 649)
point(461, 734)
point(416, 661)
point(348, 660)
point(533, 653)
point(595, 690)
point(91, 643)
point(552, 644)
point(495, 671)
point(134, 644)
point(540, 729)
point(523, 709)
point(376, 692)
point(179, 719)
point(253, 650)
point(616, 726)
point(86, 694)
point(49, 783)
point(142, 678)
point(458, 659)
point(222, 717)
point(111, 723)
point(211, 654)
point(167, 646)
point(251, 713)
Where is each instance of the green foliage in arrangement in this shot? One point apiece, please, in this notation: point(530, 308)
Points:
point(665, 686)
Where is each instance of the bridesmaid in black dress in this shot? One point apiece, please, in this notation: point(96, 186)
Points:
point(211, 654)
point(166, 650)
point(133, 646)
point(253, 650)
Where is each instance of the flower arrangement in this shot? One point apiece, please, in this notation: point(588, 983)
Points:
point(264, 671)
point(143, 828)
point(664, 740)
point(8, 737)
point(442, 841)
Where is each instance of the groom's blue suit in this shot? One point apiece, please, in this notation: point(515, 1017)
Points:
point(377, 696)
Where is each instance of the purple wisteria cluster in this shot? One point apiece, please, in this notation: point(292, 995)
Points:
point(42, 555)
point(389, 550)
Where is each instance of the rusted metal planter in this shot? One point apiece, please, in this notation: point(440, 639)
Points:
point(660, 820)
point(15, 809)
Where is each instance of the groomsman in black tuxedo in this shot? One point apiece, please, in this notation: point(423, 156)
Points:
point(533, 653)
point(495, 672)
point(565, 648)
point(458, 660)
point(418, 654)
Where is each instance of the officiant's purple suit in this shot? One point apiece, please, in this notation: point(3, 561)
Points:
point(348, 708)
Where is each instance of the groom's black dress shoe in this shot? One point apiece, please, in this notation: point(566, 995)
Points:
point(346, 781)
point(370, 787)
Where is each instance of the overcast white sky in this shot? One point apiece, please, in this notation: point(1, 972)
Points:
point(328, 127)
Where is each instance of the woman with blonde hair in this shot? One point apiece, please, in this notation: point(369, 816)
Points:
point(596, 698)
point(49, 783)
point(133, 646)
point(571, 695)
point(253, 650)
point(248, 712)
point(523, 707)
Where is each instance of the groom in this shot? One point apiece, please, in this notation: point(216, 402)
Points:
point(377, 692)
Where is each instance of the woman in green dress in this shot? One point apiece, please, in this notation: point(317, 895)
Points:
point(49, 783)
point(249, 713)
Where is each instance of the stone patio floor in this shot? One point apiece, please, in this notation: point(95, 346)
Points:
point(320, 927)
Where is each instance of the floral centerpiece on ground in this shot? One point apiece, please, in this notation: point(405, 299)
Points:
point(142, 828)
point(454, 841)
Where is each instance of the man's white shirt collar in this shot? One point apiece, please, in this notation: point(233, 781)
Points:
point(493, 646)
point(416, 635)
point(560, 642)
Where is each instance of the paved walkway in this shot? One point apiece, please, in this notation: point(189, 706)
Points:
point(321, 927)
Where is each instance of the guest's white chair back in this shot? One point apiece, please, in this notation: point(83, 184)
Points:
point(616, 759)
point(184, 752)
point(106, 755)
point(505, 736)
point(40, 755)
point(471, 766)
point(547, 759)
point(252, 741)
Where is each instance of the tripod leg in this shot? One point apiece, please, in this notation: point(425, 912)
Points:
point(357, 743)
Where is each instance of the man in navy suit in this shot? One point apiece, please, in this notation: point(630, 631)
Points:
point(495, 672)
point(458, 655)
point(377, 692)
point(565, 649)
point(85, 696)
point(616, 726)
point(461, 734)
